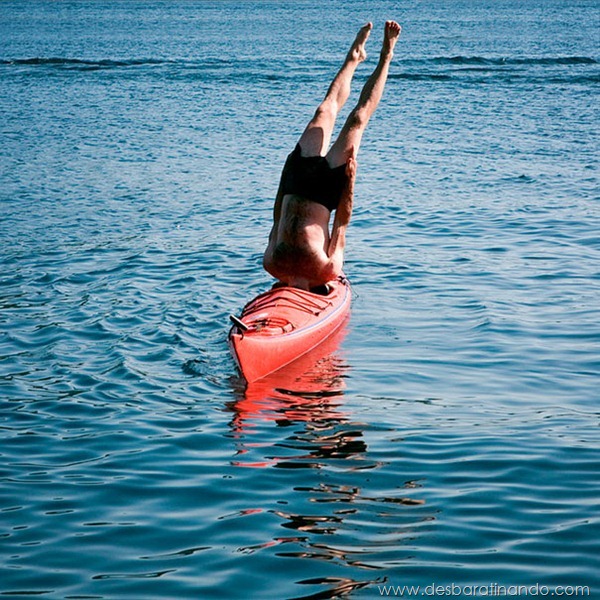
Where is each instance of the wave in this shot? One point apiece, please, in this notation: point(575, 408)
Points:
point(505, 61)
point(471, 69)
point(479, 69)
point(209, 69)
point(82, 63)
point(171, 68)
point(421, 76)
point(215, 62)
point(495, 77)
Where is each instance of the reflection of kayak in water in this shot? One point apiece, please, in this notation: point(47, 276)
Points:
point(309, 389)
point(283, 324)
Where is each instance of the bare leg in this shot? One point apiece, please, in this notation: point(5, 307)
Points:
point(349, 139)
point(317, 135)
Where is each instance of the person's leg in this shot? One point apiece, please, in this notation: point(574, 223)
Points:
point(351, 134)
point(317, 135)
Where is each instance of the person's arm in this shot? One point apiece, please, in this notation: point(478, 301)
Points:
point(343, 213)
point(276, 212)
point(279, 200)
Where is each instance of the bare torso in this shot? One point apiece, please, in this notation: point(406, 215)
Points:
point(297, 253)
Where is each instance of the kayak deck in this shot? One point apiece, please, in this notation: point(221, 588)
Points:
point(283, 324)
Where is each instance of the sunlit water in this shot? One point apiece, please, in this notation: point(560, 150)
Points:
point(448, 435)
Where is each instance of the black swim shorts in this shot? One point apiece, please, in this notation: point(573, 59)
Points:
point(312, 178)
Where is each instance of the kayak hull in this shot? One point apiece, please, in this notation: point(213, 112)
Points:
point(283, 324)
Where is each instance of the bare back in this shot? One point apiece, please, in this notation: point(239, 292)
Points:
point(298, 245)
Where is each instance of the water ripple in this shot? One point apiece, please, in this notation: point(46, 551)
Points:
point(450, 434)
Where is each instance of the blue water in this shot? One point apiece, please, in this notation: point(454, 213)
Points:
point(451, 437)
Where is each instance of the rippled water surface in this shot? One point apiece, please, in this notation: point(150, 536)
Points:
point(448, 435)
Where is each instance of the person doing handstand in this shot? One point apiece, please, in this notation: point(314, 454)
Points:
point(301, 252)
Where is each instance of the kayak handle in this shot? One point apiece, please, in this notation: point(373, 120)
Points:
point(239, 323)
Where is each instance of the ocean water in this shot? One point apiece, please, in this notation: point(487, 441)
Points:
point(448, 436)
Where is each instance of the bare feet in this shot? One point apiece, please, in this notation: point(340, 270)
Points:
point(357, 51)
point(390, 37)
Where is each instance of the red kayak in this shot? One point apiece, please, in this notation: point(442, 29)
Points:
point(283, 324)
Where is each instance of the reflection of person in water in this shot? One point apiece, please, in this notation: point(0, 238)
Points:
point(327, 433)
